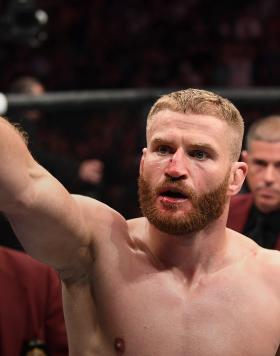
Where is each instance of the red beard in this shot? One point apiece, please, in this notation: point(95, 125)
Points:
point(205, 208)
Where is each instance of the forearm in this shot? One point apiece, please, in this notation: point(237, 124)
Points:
point(45, 217)
point(16, 167)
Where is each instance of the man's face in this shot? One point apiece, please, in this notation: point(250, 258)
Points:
point(263, 159)
point(205, 208)
point(185, 171)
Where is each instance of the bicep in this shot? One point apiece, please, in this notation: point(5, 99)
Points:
point(49, 222)
point(61, 229)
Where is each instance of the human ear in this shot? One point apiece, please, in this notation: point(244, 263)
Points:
point(237, 177)
point(141, 167)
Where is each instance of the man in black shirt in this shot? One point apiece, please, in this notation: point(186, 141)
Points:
point(257, 214)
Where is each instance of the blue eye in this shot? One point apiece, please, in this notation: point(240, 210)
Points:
point(198, 154)
point(163, 150)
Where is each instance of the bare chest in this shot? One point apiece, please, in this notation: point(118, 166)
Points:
point(153, 314)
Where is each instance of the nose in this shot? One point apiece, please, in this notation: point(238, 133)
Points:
point(269, 174)
point(176, 167)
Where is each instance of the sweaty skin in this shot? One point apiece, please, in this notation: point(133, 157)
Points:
point(145, 309)
point(131, 289)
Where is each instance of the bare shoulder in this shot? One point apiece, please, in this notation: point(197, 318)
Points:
point(242, 246)
point(264, 264)
point(265, 260)
point(92, 207)
point(136, 228)
point(270, 261)
point(99, 218)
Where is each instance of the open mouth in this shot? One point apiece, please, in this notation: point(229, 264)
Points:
point(172, 196)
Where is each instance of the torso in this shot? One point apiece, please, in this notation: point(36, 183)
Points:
point(140, 310)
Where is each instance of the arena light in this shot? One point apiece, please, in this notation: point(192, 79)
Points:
point(22, 22)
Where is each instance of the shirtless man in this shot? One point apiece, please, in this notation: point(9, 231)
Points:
point(176, 282)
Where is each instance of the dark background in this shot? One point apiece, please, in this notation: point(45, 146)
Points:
point(136, 44)
point(132, 43)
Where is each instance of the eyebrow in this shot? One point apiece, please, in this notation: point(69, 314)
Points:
point(265, 161)
point(195, 146)
point(203, 145)
point(158, 141)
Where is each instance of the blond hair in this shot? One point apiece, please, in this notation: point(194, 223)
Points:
point(266, 129)
point(203, 102)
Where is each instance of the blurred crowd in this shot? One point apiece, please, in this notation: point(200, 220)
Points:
point(117, 44)
point(109, 44)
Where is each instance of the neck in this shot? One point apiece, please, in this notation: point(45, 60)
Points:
point(198, 253)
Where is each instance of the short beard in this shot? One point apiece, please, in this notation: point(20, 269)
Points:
point(205, 208)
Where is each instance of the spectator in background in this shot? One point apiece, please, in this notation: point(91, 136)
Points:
point(30, 307)
point(70, 173)
point(257, 213)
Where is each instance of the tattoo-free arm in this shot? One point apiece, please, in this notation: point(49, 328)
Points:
point(49, 222)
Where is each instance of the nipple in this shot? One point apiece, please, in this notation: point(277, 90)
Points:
point(119, 346)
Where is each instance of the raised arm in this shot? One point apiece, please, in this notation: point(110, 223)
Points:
point(50, 223)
